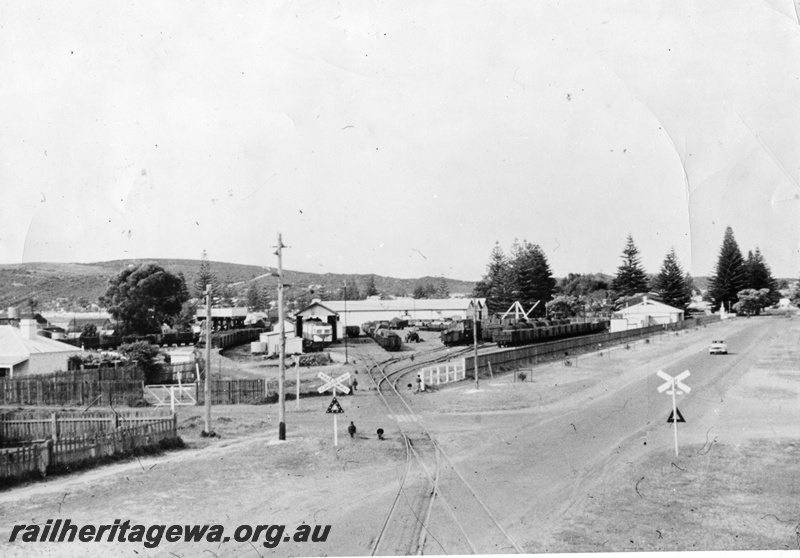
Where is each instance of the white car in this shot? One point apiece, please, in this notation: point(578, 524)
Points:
point(718, 348)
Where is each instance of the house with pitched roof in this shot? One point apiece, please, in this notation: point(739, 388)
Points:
point(24, 352)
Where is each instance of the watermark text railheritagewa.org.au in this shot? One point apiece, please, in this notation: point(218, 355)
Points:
point(59, 530)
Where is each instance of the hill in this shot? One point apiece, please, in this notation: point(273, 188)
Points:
point(74, 286)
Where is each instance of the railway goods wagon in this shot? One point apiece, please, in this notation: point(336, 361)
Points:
point(460, 333)
point(352, 331)
point(388, 339)
point(516, 336)
point(383, 336)
point(398, 323)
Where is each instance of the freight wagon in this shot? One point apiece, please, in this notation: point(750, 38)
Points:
point(383, 336)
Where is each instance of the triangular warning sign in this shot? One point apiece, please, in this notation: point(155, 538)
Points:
point(334, 407)
point(680, 416)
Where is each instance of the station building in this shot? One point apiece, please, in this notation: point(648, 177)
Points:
point(646, 313)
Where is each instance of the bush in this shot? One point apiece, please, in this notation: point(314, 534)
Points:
point(144, 355)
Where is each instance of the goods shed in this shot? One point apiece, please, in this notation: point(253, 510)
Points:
point(357, 312)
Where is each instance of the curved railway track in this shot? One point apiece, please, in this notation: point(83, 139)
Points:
point(435, 510)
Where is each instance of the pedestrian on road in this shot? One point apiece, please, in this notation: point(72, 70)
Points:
point(351, 429)
point(355, 384)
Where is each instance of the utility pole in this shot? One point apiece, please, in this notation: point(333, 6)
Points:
point(475, 337)
point(281, 348)
point(207, 391)
point(344, 332)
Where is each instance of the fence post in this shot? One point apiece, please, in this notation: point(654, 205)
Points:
point(54, 427)
point(490, 370)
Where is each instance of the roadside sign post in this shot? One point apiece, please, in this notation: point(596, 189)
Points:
point(334, 408)
point(673, 384)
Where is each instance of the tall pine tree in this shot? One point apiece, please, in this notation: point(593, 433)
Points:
point(532, 279)
point(205, 277)
point(495, 286)
point(670, 283)
point(631, 278)
point(730, 275)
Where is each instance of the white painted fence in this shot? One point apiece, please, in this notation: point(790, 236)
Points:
point(160, 395)
point(444, 373)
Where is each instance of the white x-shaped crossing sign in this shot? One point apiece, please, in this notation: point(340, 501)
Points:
point(334, 383)
point(673, 382)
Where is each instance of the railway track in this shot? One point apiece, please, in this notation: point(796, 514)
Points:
point(435, 510)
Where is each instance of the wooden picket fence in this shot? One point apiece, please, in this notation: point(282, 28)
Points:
point(27, 426)
point(69, 393)
point(120, 371)
point(236, 392)
point(83, 443)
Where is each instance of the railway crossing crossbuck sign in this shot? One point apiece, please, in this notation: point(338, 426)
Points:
point(334, 383)
point(674, 386)
point(334, 408)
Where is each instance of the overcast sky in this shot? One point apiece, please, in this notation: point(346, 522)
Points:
point(400, 138)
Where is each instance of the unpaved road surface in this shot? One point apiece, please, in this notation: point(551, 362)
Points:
point(537, 453)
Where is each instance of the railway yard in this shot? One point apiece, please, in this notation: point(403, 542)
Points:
point(575, 458)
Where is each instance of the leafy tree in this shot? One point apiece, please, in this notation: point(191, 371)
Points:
point(350, 291)
point(670, 283)
point(730, 274)
point(205, 277)
point(690, 286)
point(187, 316)
point(752, 301)
point(143, 297)
point(532, 279)
point(370, 289)
point(759, 276)
point(631, 278)
point(496, 285)
point(794, 294)
point(577, 284)
point(89, 330)
point(424, 290)
point(564, 306)
point(226, 294)
point(145, 356)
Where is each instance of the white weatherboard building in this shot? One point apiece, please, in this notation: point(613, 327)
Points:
point(646, 313)
point(23, 351)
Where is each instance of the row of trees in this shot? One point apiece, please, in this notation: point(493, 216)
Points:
point(525, 276)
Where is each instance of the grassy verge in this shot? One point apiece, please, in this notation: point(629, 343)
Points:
point(715, 497)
